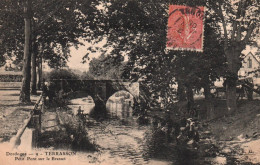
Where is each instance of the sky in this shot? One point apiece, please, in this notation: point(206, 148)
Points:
point(75, 61)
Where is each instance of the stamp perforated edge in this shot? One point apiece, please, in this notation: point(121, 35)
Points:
point(167, 49)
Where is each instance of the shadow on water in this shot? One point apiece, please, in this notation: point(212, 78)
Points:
point(118, 136)
point(99, 112)
point(79, 138)
point(157, 147)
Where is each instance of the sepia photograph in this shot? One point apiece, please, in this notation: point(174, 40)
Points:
point(129, 82)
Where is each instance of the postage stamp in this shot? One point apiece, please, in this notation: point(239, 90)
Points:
point(185, 28)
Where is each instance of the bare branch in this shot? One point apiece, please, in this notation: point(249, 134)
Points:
point(234, 30)
point(219, 10)
point(240, 13)
point(249, 33)
point(238, 38)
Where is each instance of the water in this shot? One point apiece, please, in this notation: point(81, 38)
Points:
point(121, 140)
point(86, 103)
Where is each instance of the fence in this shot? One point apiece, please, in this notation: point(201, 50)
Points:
point(33, 123)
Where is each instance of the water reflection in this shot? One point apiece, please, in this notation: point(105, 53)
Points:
point(120, 105)
point(86, 103)
point(121, 140)
point(121, 110)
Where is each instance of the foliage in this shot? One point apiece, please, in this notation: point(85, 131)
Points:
point(138, 29)
point(12, 28)
point(107, 67)
point(63, 79)
point(56, 25)
point(240, 24)
point(61, 74)
point(87, 76)
point(50, 28)
point(200, 69)
point(11, 78)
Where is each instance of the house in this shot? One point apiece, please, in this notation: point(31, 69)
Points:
point(250, 67)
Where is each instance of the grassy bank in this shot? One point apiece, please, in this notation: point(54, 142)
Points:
point(237, 135)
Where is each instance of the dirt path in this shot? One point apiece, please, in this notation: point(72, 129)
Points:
point(12, 114)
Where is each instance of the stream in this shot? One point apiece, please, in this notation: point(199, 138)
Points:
point(121, 140)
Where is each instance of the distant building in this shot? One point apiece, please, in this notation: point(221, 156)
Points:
point(250, 69)
point(250, 66)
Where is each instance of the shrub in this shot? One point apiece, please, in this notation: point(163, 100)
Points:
point(61, 74)
point(11, 78)
point(63, 77)
point(87, 76)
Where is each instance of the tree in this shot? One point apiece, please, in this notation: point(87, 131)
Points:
point(33, 69)
point(107, 67)
point(138, 29)
point(87, 76)
point(240, 21)
point(56, 25)
point(25, 89)
point(12, 28)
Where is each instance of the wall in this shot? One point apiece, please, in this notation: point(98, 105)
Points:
point(244, 70)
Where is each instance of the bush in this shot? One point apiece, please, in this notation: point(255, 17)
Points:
point(61, 74)
point(11, 78)
point(87, 76)
point(62, 77)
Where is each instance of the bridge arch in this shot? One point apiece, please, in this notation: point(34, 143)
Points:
point(103, 91)
point(99, 90)
point(120, 104)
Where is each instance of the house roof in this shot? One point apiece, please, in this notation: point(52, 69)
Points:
point(257, 58)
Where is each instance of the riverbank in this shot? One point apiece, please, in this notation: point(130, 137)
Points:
point(237, 136)
point(231, 139)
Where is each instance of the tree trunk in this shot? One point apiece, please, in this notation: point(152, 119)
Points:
point(234, 63)
point(39, 73)
point(190, 98)
point(25, 89)
point(181, 92)
point(207, 93)
point(231, 98)
point(208, 101)
point(34, 75)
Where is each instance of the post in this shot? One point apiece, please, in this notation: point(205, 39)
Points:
point(36, 126)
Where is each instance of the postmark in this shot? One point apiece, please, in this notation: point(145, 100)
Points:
point(185, 28)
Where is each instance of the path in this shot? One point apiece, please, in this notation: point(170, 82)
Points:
point(12, 114)
point(53, 133)
point(50, 122)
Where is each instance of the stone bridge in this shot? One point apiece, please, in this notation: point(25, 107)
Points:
point(99, 90)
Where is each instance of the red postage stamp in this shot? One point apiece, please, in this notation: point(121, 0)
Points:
point(185, 28)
